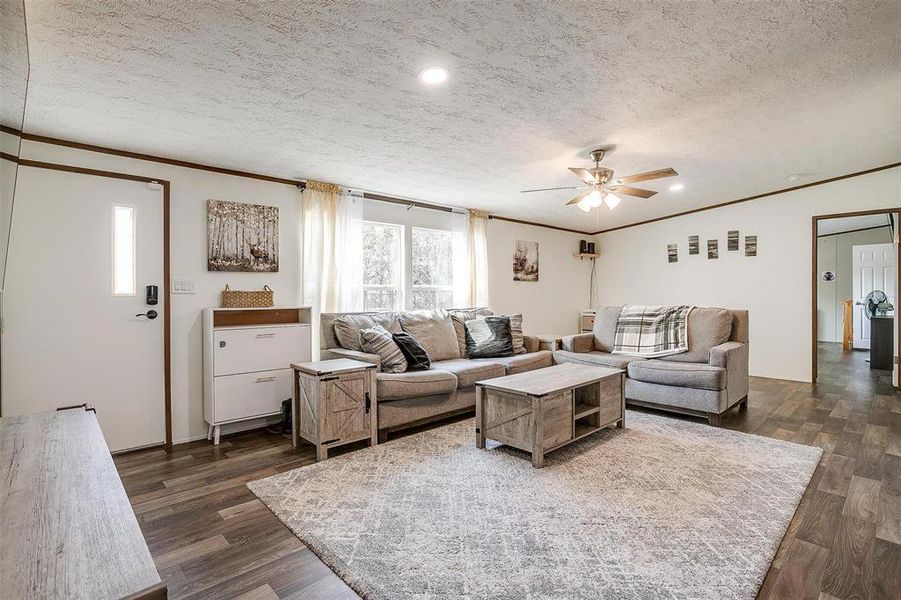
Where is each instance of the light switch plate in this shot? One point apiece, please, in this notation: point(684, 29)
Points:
point(183, 286)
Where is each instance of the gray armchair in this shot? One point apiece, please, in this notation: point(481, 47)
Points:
point(708, 380)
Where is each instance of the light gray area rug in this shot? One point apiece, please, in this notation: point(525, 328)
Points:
point(663, 509)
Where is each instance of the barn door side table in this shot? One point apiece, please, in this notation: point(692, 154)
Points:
point(334, 404)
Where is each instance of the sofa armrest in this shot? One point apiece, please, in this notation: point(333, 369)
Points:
point(732, 356)
point(531, 343)
point(335, 353)
point(582, 342)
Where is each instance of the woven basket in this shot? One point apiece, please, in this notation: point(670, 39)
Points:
point(247, 298)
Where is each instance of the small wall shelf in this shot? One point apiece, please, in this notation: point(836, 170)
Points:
point(581, 255)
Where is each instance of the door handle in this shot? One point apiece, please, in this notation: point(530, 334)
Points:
point(150, 314)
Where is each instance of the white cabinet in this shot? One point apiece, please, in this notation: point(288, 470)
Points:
point(247, 358)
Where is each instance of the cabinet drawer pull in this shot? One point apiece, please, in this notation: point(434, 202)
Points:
point(265, 335)
point(264, 379)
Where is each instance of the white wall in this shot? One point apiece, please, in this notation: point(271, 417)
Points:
point(551, 304)
point(775, 285)
point(189, 194)
point(834, 253)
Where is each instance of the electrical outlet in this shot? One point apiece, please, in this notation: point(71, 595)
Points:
point(183, 286)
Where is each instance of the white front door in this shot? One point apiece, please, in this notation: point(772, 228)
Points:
point(69, 336)
point(874, 269)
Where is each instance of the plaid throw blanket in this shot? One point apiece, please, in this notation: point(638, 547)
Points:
point(652, 331)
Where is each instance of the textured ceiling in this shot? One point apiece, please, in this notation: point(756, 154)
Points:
point(13, 63)
point(736, 95)
point(844, 224)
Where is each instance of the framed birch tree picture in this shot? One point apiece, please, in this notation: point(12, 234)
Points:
point(242, 237)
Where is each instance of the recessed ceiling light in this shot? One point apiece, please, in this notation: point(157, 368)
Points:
point(676, 187)
point(433, 75)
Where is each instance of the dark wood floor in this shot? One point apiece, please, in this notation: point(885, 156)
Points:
point(211, 538)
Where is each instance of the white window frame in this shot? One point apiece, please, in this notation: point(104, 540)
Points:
point(409, 266)
point(401, 284)
point(134, 250)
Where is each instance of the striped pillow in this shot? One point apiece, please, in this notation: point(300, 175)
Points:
point(519, 346)
point(378, 340)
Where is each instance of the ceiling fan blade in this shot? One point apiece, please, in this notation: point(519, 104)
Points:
point(569, 187)
point(631, 191)
point(658, 174)
point(584, 174)
point(578, 197)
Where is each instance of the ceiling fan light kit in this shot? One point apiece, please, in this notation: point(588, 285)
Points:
point(600, 184)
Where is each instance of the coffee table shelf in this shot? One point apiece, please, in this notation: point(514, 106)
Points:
point(542, 410)
point(583, 410)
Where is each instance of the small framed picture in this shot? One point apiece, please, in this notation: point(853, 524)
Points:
point(750, 245)
point(732, 241)
point(713, 249)
point(672, 253)
point(694, 245)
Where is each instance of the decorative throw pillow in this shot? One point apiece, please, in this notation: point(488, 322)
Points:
point(489, 337)
point(434, 331)
point(378, 340)
point(347, 327)
point(417, 357)
point(459, 318)
point(516, 332)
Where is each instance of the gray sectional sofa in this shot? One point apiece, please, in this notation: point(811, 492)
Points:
point(447, 388)
point(708, 380)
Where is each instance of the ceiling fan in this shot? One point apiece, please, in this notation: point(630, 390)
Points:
point(601, 187)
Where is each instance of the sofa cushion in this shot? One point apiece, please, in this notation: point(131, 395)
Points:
point(516, 332)
point(434, 331)
point(459, 318)
point(417, 358)
point(521, 363)
point(470, 371)
point(605, 327)
point(488, 337)
point(378, 340)
point(347, 327)
point(392, 386)
point(600, 359)
point(680, 374)
point(707, 327)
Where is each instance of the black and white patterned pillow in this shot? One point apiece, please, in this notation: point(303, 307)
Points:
point(489, 337)
point(377, 340)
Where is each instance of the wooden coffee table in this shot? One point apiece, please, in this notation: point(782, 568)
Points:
point(542, 410)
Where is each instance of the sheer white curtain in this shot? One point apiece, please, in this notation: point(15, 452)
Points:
point(332, 227)
point(349, 252)
point(478, 250)
point(462, 260)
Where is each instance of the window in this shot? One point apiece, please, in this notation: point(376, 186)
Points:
point(123, 262)
point(432, 268)
point(382, 281)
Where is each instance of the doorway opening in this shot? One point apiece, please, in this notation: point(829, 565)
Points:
point(855, 330)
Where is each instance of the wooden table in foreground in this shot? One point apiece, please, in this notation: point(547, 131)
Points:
point(67, 529)
point(542, 410)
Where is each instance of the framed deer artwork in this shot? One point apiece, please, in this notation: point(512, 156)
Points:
point(242, 237)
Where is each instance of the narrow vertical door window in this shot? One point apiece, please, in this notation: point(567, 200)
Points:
point(123, 251)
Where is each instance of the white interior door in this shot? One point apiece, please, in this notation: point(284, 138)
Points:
point(68, 338)
point(874, 269)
